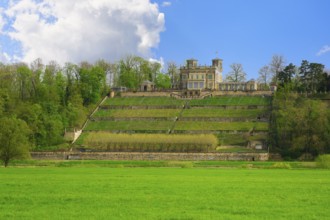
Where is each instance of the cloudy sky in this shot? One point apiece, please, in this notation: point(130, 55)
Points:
point(238, 31)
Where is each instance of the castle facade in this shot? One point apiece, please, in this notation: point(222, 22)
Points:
point(196, 77)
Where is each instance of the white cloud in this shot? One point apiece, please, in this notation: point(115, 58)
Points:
point(166, 4)
point(160, 61)
point(323, 50)
point(77, 30)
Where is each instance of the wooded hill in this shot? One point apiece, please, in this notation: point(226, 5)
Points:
point(41, 101)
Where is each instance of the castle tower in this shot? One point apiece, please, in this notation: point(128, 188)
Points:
point(217, 63)
point(191, 63)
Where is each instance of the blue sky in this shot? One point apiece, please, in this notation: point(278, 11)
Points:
point(249, 32)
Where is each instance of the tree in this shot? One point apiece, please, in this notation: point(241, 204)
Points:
point(285, 76)
point(237, 73)
point(14, 140)
point(276, 66)
point(264, 75)
point(163, 81)
point(172, 71)
point(313, 76)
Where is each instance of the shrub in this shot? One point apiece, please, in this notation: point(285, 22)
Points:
point(323, 161)
point(182, 164)
point(281, 165)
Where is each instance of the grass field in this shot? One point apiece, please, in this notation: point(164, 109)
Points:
point(225, 113)
point(137, 101)
point(129, 125)
point(220, 126)
point(232, 100)
point(124, 113)
point(163, 193)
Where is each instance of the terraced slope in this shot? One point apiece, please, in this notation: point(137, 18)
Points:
point(234, 120)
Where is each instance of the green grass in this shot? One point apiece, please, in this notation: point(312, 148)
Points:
point(220, 126)
point(223, 113)
point(168, 193)
point(129, 125)
point(126, 113)
point(232, 100)
point(142, 101)
point(231, 140)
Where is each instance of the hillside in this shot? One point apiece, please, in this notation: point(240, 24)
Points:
point(224, 123)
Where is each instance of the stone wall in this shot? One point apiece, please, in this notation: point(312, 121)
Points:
point(242, 93)
point(149, 156)
point(214, 93)
point(147, 94)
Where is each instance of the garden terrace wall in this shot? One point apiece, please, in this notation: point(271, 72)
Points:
point(213, 93)
point(242, 93)
point(149, 156)
point(147, 94)
point(220, 119)
point(141, 107)
point(133, 118)
point(217, 132)
point(230, 106)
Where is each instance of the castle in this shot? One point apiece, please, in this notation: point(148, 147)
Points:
point(196, 77)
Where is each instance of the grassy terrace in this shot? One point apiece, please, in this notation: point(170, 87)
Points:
point(142, 101)
point(149, 142)
point(220, 126)
point(129, 125)
point(232, 100)
point(225, 113)
point(126, 113)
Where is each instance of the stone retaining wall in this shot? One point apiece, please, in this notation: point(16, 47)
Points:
point(149, 156)
point(147, 94)
point(203, 93)
point(140, 107)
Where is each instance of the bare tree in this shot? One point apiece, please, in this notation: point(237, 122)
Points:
point(237, 73)
point(172, 71)
point(265, 75)
point(276, 66)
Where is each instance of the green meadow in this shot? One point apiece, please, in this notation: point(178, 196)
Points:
point(89, 192)
point(232, 100)
point(140, 101)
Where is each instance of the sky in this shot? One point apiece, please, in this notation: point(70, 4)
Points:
point(248, 32)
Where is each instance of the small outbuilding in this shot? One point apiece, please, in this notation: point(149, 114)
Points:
point(147, 86)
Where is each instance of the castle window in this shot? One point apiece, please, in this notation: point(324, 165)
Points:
point(190, 85)
point(209, 76)
point(195, 85)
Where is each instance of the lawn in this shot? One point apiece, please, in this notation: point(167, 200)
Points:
point(163, 193)
point(126, 113)
point(232, 100)
point(140, 101)
point(223, 113)
point(129, 125)
point(220, 126)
